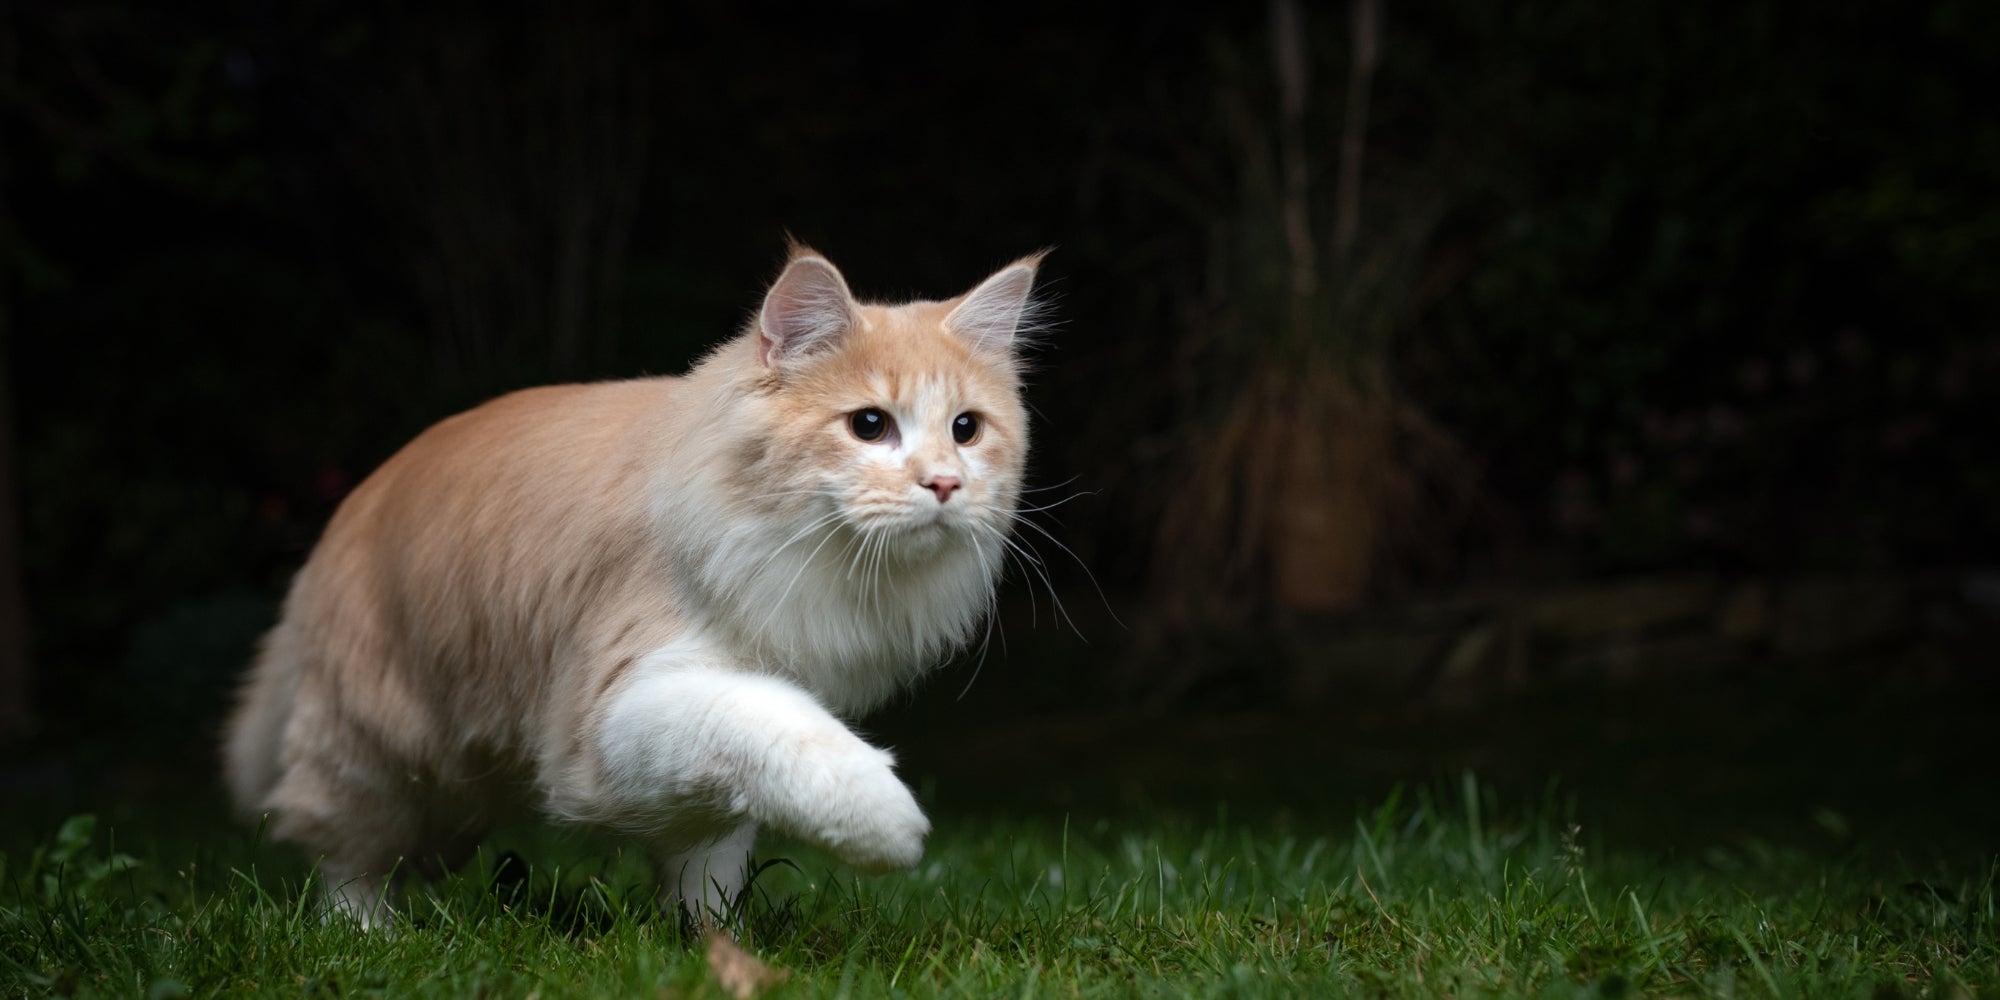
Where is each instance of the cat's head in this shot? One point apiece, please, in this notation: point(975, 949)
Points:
point(903, 423)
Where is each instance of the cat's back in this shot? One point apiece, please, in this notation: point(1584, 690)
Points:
point(578, 425)
point(546, 444)
point(528, 485)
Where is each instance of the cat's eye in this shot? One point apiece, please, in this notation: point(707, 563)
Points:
point(965, 429)
point(869, 424)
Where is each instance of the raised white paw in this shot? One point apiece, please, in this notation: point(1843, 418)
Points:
point(866, 817)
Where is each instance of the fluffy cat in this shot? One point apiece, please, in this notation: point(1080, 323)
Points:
point(648, 605)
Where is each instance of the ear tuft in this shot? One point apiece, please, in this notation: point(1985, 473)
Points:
point(997, 315)
point(807, 310)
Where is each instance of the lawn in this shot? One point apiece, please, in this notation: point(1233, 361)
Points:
point(1444, 889)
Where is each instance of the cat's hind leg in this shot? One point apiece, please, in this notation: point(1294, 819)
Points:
point(707, 881)
point(359, 841)
point(359, 896)
point(362, 817)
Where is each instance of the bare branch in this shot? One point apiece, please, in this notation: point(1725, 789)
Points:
point(1354, 129)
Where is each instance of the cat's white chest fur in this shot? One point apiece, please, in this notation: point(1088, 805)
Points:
point(849, 618)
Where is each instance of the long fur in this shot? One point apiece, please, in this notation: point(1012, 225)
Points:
point(647, 604)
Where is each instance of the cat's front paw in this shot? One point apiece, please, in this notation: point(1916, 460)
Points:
point(872, 820)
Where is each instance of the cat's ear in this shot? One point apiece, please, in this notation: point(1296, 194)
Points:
point(998, 315)
point(807, 310)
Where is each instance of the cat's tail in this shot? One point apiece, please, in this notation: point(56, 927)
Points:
point(252, 744)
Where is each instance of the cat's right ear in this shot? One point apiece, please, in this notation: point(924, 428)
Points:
point(999, 315)
point(807, 310)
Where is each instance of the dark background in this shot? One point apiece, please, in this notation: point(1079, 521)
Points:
point(1573, 389)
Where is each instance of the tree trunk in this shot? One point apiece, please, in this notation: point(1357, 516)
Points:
point(1328, 527)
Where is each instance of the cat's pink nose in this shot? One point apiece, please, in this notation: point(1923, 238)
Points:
point(943, 486)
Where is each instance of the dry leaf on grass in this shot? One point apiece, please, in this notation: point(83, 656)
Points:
point(740, 973)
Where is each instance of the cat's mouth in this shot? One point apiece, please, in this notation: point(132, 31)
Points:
point(925, 529)
point(930, 526)
point(918, 527)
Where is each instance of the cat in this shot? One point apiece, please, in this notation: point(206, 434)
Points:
point(648, 605)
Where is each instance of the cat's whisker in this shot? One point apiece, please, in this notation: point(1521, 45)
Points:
point(1051, 487)
point(881, 554)
point(1034, 561)
point(993, 624)
point(819, 491)
point(864, 563)
point(1027, 577)
point(777, 607)
point(1030, 564)
point(811, 526)
point(858, 542)
point(993, 603)
point(1048, 507)
point(992, 616)
point(774, 502)
point(1040, 567)
point(815, 524)
point(871, 573)
point(1080, 564)
point(875, 539)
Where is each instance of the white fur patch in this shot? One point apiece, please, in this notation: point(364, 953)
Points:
point(849, 616)
point(691, 752)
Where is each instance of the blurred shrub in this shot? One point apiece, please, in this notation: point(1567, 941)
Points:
point(1749, 287)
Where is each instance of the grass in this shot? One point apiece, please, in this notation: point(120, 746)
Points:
point(1447, 890)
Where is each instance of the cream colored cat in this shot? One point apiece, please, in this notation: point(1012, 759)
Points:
point(648, 605)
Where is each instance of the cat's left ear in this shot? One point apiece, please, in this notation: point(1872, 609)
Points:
point(807, 310)
point(996, 315)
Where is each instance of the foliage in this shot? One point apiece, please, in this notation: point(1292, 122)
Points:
point(1302, 477)
point(1445, 892)
point(69, 871)
point(1745, 307)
